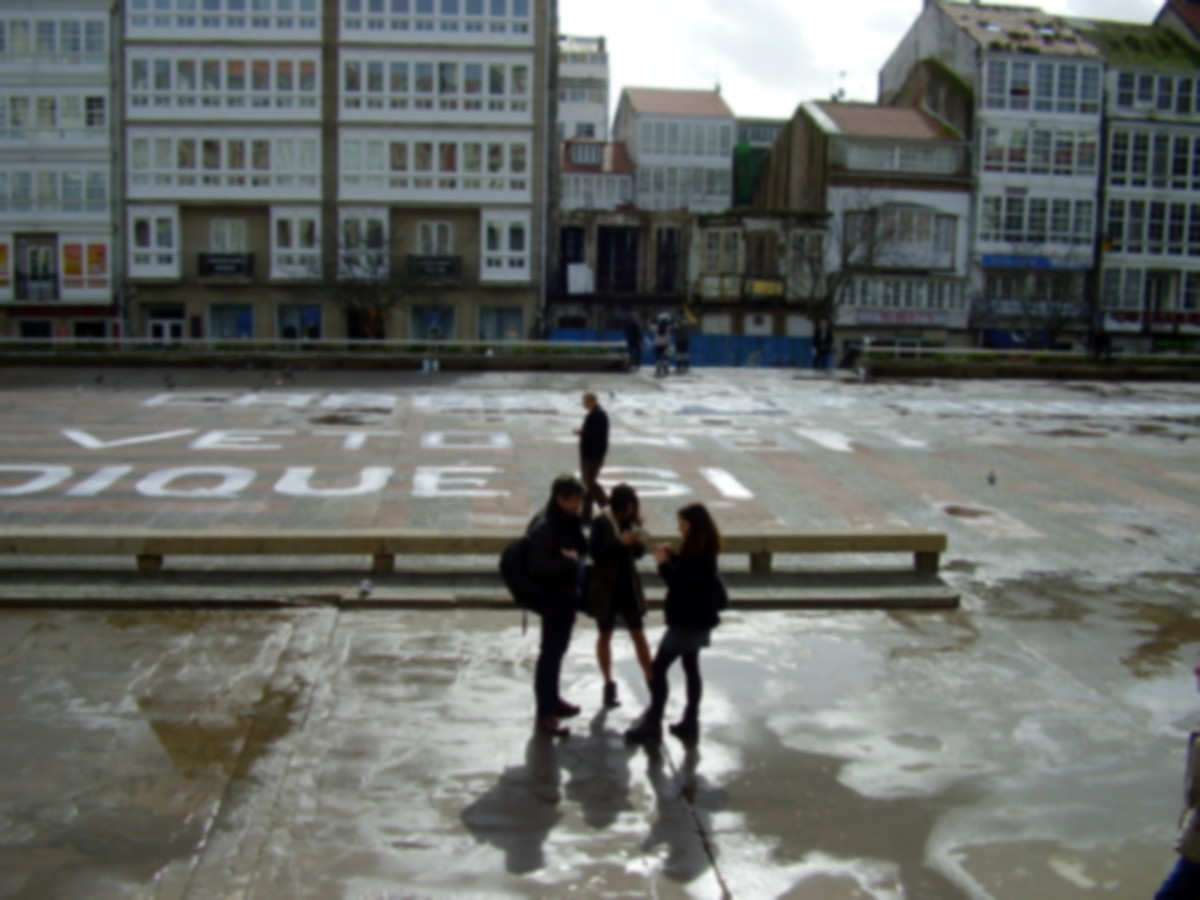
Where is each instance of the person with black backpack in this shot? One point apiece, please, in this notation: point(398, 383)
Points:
point(695, 597)
point(554, 559)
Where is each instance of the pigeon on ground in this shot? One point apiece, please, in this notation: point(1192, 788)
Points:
point(991, 478)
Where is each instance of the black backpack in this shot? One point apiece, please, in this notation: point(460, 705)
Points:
point(514, 569)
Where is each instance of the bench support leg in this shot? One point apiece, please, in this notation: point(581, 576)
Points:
point(149, 562)
point(926, 562)
point(760, 563)
point(384, 564)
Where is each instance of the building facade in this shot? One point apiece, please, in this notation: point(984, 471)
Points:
point(583, 88)
point(1149, 261)
point(1036, 86)
point(58, 244)
point(336, 168)
point(893, 186)
point(681, 143)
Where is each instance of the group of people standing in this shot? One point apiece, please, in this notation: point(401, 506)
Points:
point(610, 589)
point(668, 332)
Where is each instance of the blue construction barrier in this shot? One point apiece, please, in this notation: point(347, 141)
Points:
point(714, 349)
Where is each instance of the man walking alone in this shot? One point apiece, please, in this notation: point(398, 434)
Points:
point(593, 447)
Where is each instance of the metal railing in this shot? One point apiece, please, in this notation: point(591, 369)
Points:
point(304, 347)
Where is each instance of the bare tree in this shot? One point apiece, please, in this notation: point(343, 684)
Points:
point(368, 287)
point(824, 269)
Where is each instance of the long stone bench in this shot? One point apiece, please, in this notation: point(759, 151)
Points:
point(150, 547)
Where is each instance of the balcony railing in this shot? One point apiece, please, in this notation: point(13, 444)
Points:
point(225, 265)
point(42, 286)
point(434, 268)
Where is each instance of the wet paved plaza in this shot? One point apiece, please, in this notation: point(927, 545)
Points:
point(1028, 745)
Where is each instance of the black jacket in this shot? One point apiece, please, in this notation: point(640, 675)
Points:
point(549, 534)
point(615, 581)
point(593, 442)
point(692, 590)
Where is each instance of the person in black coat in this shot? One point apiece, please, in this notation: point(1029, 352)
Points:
point(694, 597)
point(633, 341)
point(615, 591)
point(556, 551)
point(593, 447)
point(822, 346)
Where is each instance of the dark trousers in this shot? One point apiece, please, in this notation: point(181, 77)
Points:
point(556, 637)
point(1183, 882)
point(659, 688)
point(635, 354)
point(589, 471)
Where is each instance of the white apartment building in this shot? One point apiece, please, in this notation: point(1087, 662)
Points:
point(443, 139)
point(223, 168)
point(681, 142)
point(384, 186)
point(583, 90)
point(1150, 234)
point(57, 244)
point(1035, 85)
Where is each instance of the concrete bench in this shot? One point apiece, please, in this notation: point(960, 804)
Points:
point(149, 547)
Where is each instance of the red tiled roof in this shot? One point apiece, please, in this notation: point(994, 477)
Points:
point(616, 159)
point(672, 102)
point(1189, 13)
point(870, 120)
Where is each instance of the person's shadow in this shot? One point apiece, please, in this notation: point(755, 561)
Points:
point(685, 804)
point(517, 814)
point(599, 768)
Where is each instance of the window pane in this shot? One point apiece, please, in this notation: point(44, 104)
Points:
point(448, 78)
point(235, 75)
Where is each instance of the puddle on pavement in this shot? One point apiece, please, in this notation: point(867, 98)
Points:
point(197, 746)
point(1171, 629)
point(832, 821)
point(965, 633)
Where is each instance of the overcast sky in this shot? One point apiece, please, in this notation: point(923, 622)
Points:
point(770, 55)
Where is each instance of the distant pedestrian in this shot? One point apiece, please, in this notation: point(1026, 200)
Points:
point(593, 447)
point(556, 550)
point(633, 341)
point(1184, 881)
point(615, 592)
point(662, 344)
point(683, 345)
point(695, 597)
point(822, 346)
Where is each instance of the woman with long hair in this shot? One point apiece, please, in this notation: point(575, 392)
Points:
point(616, 591)
point(694, 597)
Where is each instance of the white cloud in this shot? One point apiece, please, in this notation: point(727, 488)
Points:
point(769, 55)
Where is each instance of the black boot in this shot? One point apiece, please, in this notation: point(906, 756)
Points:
point(686, 729)
point(610, 695)
point(645, 731)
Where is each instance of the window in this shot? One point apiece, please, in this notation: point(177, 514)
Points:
point(231, 321)
point(295, 242)
point(363, 244)
point(240, 87)
point(501, 323)
point(1125, 89)
point(227, 236)
point(435, 239)
point(154, 247)
point(505, 246)
point(227, 165)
